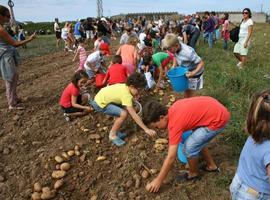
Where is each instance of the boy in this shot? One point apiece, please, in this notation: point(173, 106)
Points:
point(204, 115)
point(94, 61)
point(186, 56)
point(116, 100)
point(117, 73)
point(98, 41)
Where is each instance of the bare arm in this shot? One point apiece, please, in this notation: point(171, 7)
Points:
point(91, 66)
point(167, 164)
point(118, 51)
point(76, 105)
point(185, 37)
point(5, 36)
point(250, 31)
point(195, 71)
point(76, 55)
point(139, 121)
point(268, 172)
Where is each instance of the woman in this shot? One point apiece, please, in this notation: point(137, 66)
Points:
point(57, 31)
point(241, 47)
point(225, 31)
point(9, 59)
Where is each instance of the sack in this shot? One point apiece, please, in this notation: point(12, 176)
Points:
point(234, 34)
point(150, 80)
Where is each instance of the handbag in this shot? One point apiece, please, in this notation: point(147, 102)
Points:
point(234, 33)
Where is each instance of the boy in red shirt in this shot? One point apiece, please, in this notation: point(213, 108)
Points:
point(204, 115)
point(117, 73)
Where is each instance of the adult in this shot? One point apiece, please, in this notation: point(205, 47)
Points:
point(241, 47)
point(125, 36)
point(57, 31)
point(225, 31)
point(102, 27)
point(190, 35)
point(216, 21)
point(9, 59)
point(89, 28)
point(209, 28)
point(77, 32)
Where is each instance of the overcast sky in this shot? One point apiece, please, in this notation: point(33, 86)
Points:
point(47, 10)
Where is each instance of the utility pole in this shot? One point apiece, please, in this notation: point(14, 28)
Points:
point(12, 17)
point(99, 8)
point(261, 8)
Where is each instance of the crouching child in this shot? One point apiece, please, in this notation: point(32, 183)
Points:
point(204, 115)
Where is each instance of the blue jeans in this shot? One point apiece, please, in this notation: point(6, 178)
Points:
point(198, 140)
point(225, 44)
point(210, 38)
point(241, 191)
point(110, 109)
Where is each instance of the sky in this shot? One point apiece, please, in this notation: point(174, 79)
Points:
point(47, 10)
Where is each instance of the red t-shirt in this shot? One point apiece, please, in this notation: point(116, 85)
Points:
point(65, 99)
point(191, 113)
point(117, 73)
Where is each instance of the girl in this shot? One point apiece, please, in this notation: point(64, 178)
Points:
point(241, 47)
point(225, 31)
point(252, 179)
point(71, 100)
point(81, 53)
point(10, 59)
point(129, 54)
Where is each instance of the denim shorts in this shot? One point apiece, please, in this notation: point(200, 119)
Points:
point(241, 191)
point(198, 140)
point(110, 109)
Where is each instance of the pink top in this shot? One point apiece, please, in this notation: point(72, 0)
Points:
point(225, 26)
point(82, 56)
point(128, 54)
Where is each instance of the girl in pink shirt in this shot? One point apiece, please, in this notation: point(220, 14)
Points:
point(225, 31)
point(81, 53)
point(129, 54)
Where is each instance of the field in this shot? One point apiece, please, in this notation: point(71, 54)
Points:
point(30, 139)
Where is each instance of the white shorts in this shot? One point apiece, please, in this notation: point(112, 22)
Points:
point(195, 83)
point(239, 47)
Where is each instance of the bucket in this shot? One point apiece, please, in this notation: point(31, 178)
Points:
point(178, 78)
point(181, 157)
point(99, 80)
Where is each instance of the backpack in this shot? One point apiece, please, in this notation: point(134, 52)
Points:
point(234, 34)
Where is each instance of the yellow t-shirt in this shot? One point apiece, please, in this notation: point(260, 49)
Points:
point(118, 94)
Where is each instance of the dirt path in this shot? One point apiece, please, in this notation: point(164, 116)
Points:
point(30, 139)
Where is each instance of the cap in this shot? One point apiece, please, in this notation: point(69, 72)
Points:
point(104, 47)
point(103, 19)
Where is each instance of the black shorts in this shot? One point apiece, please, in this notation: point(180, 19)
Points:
point(58, 34)
point(72, 109)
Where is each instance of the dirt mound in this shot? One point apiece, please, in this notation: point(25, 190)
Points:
point(30, 140)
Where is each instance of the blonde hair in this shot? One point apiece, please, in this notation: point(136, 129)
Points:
point(258, 117)
point(169, 41)
point(133, 40)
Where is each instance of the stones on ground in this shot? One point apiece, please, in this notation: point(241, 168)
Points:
point(94, 136)
point(2, 178)
point(57, 167)
point(119, 165)
point(121, 194)
point(81, 174)
point(129, 183)
point(37, 187)
point(65, 166)
point(137, 179)
point(153, 171)
point(131, 195)
point(82, 158)
point(107, 162)
point(36, 196)
point(101, 158)
point(58, 184)
point(57, 174)
point(95, 197)
point(71, 152)
point(58, 159)
point(6, 151)
point(145, 174)
point(16, 117)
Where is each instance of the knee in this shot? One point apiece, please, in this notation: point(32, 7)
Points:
point(123, 114)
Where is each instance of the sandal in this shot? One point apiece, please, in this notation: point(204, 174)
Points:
point(185, 178)
point(121, 135)
point(16, 108)
point(66, 116)
point(118, 141)
point(205, 168)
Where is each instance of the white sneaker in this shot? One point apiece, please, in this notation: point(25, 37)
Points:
point(239, 64)
point(67, 118)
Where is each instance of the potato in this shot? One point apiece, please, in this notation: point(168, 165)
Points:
point(159, 147)
point(58, 184)
point(161, 141)
point(36, 196)
point(153, 171)
point(145, 174)
point(71, 152)
point(37, 187)
point(65, 155)
point(101, 158)
point(48, 195)
point(147, 187)
point(45, 189)
point(76, 148)
point(65, 166)
point(58, 159)
point(77, 153)
point(57, 174)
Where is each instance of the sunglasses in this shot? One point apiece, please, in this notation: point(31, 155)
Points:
point(245, 12)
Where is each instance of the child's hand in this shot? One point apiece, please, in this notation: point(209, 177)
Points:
point(88, 108)
point(189, 74)
point(151, 132)
point(153, 186)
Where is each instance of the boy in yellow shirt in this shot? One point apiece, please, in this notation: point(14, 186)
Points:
point(116, 100)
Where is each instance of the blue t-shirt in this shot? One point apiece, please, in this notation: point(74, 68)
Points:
point(253, 162)
point(77, 28)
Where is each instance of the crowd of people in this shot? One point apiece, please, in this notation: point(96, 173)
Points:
point(147, 51)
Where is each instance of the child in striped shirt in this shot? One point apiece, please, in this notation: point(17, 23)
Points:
point(81, 53)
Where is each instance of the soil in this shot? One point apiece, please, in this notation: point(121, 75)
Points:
point(30, 139)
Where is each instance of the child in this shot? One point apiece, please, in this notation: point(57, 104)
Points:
point(98, 41)
point(129, 54)
point(252, 179)
point(81, 52)
point(21, 36)
point(186, 56)
point(95, 61)
point(116, 100)
point(71, 101)
point(117, 73)
point(204, 115)
point(225, 31)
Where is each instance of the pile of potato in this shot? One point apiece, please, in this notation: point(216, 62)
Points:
point(58, 174)
point(160, 144)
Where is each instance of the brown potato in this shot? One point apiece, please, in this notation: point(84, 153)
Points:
point(36, 196)
point(58, 184)
point(37, 187)
point(58, 159)
point(57, 174)
point(71, 152)
point(65, 166)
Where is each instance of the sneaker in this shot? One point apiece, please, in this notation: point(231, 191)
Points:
point(239, 64)
point(67, 118)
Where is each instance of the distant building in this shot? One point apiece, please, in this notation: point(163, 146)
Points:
point(258, 17)
point(148, 15)
point(27, 22)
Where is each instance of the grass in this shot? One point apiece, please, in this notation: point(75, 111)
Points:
point(231, 86)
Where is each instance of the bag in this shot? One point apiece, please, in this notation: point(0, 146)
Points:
point(234, 34)
point(150, 80)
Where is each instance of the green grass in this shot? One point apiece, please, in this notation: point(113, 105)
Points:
point(231, 86)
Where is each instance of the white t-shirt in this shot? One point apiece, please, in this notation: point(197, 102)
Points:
point(64, 33)
point(243, 33)
point(95, 59)
point(56, 27)
point(97, 43)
